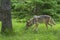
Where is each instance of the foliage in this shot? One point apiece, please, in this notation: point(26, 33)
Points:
point(25, 8)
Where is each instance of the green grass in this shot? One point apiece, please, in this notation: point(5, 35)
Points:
point(41, 34)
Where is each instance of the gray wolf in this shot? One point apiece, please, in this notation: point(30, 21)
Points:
point(46, 19)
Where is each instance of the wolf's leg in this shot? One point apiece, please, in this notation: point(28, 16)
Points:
point(50, 24)
point(52, 21)
point(46, 25)
point(35, 27)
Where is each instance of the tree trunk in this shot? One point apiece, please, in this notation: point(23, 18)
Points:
point(6, 16)
point(6, 22)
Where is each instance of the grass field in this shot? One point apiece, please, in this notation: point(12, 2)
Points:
point(41, 34)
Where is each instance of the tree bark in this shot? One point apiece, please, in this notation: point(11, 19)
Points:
point(6, 16)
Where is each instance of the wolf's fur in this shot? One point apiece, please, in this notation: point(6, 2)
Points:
point(48, 20)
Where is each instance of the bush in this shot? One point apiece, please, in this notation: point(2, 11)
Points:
point(38, 7)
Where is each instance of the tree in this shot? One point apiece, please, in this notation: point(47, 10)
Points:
point(5, 12)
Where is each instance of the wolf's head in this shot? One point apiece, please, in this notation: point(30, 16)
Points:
point(29, 23)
